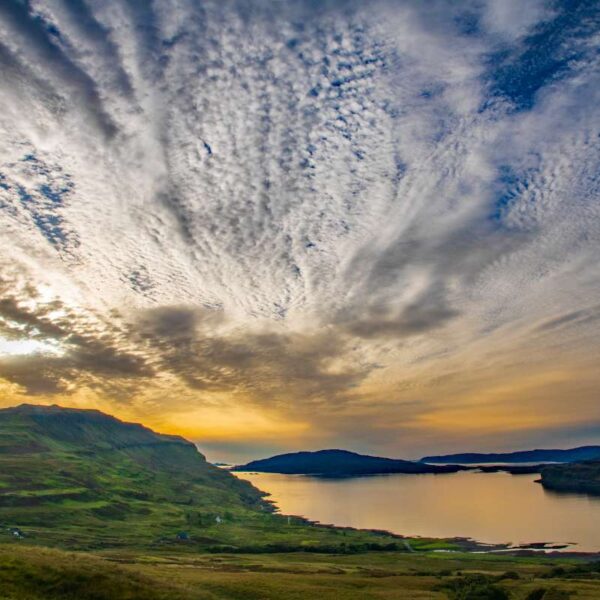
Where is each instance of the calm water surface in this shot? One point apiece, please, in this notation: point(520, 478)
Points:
point(488, 507)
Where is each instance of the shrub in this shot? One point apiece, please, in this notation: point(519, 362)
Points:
point(475, 587)
point(536, 594)
point(545, 594)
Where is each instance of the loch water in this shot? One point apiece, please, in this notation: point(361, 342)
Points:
point(487, 507)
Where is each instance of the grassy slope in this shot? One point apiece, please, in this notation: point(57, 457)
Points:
point(28, 573)
point(84, 480)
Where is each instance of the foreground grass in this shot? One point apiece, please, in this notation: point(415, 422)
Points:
point(32, 573)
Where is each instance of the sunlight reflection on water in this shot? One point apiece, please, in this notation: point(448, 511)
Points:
point(488, 507)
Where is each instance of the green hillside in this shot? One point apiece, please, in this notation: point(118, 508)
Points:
point(84, 480)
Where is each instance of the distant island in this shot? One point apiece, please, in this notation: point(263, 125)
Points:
point(525, 456)
point(583, 477)
point(339, 463)
point(344, 463)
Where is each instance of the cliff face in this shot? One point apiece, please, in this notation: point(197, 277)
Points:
point(574, 477)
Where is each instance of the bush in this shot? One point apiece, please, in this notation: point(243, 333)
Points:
point(587, 570)
point(536, 594)
point(554, 594)
point(544, 594)
point(475, 587)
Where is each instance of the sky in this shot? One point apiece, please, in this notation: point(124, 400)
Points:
point(281, 225)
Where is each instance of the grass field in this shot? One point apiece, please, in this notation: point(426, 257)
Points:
point(32, 573)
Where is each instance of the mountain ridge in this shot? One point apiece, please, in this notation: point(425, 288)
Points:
point(537, 455)
point(335, 462)
point(52, 414)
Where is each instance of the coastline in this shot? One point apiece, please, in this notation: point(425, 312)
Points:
point(442, 543)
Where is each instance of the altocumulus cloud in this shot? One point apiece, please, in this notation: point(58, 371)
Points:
point(381, 220)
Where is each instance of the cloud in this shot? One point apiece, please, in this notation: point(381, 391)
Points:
point(41, 40)
point(328, 210)
point(83, 353)
point(268, 364)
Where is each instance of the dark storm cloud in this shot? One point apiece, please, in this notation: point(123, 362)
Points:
point(277, 367)
point(429, 312)
point(281, 368)
point(83, 351)
point(17, 319)
point(173, 323)
point(455, 258)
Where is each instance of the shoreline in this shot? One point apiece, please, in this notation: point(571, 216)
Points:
point(462, 543)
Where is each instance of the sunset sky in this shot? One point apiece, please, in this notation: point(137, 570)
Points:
point(279, 225)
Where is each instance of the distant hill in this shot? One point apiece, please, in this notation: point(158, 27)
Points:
point(529, 456)
point(574, 477)
point(338, 463)
point(82, 479)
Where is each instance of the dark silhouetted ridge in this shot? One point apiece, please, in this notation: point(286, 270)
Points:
point(338, 463)
point(529, 456)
